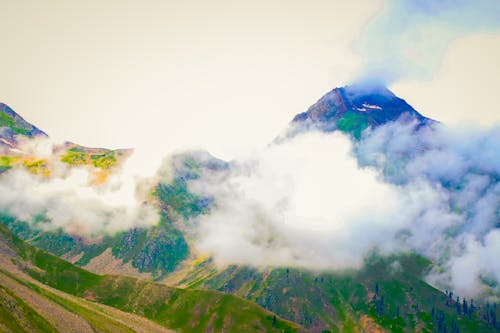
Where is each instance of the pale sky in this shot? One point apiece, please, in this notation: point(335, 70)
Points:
point(222, 75)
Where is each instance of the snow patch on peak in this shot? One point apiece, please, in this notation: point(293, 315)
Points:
point(371, 106)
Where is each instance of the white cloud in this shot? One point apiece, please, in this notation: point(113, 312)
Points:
point(303, 202)
point(307, 203)
point(68, 199)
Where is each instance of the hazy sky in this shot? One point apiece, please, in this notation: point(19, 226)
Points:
point(229, 75)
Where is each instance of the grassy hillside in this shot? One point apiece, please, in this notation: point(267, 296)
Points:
point(17, 316)
point(183, 310)
point(26, 305)
point(50, 310)
point(388, 294)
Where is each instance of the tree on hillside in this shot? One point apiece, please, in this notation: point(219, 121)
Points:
point(465, 308)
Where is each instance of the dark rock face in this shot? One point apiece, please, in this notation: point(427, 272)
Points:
point(354, 108)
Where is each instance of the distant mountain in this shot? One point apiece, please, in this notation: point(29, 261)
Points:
point(354, 108)
point(12, 125)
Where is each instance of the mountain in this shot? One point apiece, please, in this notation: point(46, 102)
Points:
point(354, 108)
point(11, 125)
point(388, 295)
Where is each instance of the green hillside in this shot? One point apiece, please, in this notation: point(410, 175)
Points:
point(388, 294)
point(183, 310)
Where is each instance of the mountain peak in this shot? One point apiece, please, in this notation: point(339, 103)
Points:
point(353, 108)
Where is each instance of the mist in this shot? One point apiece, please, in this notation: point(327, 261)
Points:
point(320, 201)
point(293, 205)
point(68, 198)
point(463, 164)
point(408, 39)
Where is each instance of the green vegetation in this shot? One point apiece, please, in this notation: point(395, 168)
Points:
point(7, 162)
point(184, 310)
point(176, 197)
point(103, 161)
point(353, 123)
point(75, 156)
point(95, 318)
point(36, 166)
point(98, 318)
point(157, 250)
point(17, 127)
point(92, 250)
point(54, 271)
point(17, 316)
point(56, 242)
point(187, 310)
point(388, 290)
point(79, 156)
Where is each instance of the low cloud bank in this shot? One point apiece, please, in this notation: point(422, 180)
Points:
point(318, 201)
point(68, 200)
point(463, 166)
point(303, 202)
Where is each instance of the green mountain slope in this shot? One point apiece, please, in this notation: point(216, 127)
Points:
point(388, 294)
point(26, 305)
point(55, 280)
